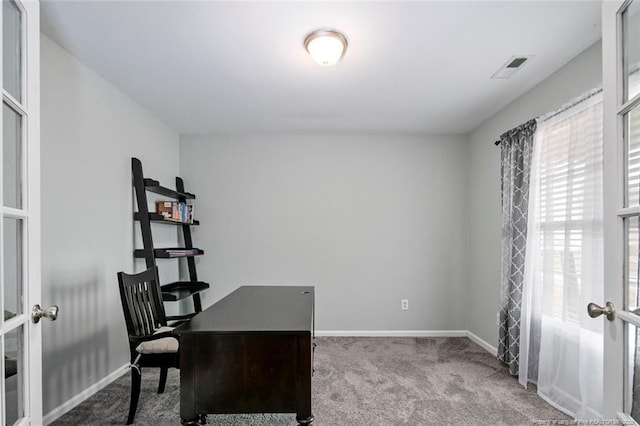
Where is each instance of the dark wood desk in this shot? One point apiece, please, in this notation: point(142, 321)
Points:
point(249, 353)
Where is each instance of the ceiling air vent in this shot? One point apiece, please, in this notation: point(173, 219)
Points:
point(512, 66)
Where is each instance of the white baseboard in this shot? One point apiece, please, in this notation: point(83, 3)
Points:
point(63, 409)
point(391, 333)
point(483, 343)
point(409, 333)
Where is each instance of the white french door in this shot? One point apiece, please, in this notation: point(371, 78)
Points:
point(20, 338)
point(621, 84)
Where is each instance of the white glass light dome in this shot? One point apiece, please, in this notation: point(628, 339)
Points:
point(326, 47)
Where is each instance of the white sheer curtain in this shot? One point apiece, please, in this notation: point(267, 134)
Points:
point(560, 345)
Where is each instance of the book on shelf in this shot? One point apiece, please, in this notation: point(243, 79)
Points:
point(175, 211)
point(164, 208)
point(182, 251)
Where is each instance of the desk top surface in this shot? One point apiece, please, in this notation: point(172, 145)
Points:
point(255, 309)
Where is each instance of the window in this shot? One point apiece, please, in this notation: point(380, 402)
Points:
point(570, 160)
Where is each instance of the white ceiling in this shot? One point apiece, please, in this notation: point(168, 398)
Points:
point(241, 67)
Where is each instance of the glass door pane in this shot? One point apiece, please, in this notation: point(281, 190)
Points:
point(11, 49)
point(11, 157)
point(14, 375)
point(13, 266)
point(632, 171)
point(631, 255)
point(631, 49)
point(632, 367)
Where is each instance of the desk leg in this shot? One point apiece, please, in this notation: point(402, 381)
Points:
point(303, 382)
point(188, 372)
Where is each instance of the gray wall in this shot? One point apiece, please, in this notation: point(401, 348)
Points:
point(368, 220)
point(584, 72)
point(90, 131)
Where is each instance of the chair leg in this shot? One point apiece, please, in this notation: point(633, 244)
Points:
point(136, 376)
point(163, 378)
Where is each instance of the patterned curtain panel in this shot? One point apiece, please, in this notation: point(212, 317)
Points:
point(516, 155)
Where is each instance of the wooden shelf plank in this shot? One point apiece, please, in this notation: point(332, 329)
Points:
point(152, 185)
point(158, 218)
point(182, 289)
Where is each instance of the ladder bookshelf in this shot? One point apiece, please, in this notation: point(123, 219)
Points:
point(178, 290)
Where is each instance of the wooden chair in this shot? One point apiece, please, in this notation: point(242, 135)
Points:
point(151, 342)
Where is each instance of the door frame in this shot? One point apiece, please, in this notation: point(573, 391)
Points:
point(30, 214)
point(615, 376)
point(34, 236)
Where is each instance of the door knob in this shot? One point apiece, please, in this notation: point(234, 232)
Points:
point(37, 312)
point(595, 311)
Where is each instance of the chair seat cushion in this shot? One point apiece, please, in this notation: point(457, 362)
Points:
point(166, 345)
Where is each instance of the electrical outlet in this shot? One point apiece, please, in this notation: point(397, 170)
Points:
point(404, 304)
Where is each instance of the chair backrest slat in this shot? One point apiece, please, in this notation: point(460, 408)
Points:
point(149, 310)
point(141, 309)
point(129, 308)
point(141, 302)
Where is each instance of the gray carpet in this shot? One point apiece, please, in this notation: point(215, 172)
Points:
point(361, 381)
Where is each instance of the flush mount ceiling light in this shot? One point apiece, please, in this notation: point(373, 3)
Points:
point(326, 47)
